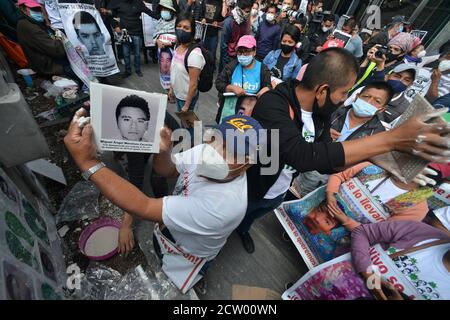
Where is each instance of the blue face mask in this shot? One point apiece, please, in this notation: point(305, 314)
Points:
point(400, 29)
point(245, 61)
point(397, 85)
point(166, 15)
point(363, 109)
point(36, 16)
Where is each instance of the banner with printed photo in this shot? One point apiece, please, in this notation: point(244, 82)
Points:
point(148, 27)
point(77, 63)
point(440, 204)
point(127, 120)
point(165, 56)
point(237, 105)
point(319, 237)
point(338, 280)
point(84, 28)
point(421, 84)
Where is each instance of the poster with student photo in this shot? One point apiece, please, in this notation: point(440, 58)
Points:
point(85, 29)
point(237, 105)
point(317, 236)
point(165, 56)
point(127, 120)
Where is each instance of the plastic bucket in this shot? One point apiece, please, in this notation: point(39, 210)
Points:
point(26, 74)
point(99, 240)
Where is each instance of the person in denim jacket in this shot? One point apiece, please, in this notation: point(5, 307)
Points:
point(284, 63)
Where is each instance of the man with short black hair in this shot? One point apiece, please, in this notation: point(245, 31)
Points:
point(300, 113)
point(362, 118)
point(89, 33)
point(132, 116)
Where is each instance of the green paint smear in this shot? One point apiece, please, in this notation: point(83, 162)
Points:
point(48, 293)
point(17, 228)
point(18, 250)
point(35, 222)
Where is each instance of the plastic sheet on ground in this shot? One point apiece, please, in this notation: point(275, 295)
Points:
point(81, 201)
point(103, 283)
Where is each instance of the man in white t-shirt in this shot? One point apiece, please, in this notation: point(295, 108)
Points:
point(209, 201)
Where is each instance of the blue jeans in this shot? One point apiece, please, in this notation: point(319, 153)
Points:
point(256, 209)
point(126, 48)
point(211, 44)
point(180, 103)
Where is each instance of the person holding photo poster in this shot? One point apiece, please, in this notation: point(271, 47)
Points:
point(85, 29)
point(244, 76)
point(126, 120)
point(209, 200)
point(165, 39)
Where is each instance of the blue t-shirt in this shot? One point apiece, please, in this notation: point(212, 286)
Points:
point(248, 79)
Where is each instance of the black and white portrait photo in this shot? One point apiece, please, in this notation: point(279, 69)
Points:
point(125, 119)
point(89, 33)
point(86, 31)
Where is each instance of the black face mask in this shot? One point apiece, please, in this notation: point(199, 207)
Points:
point(329, 107)
point(392, 57)
point(183, 36)
point(286, 48)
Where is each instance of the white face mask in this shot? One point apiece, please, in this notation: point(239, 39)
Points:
point(212, 165)
point(270, 17)
point(254, 12)
point(325, 29)
point(444, 65)
point(421, 54)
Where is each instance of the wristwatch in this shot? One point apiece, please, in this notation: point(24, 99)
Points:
point(89, 172)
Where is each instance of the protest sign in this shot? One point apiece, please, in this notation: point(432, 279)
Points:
point(237, 105)
point(339, 40)
point(420, 85)
point(165, 56)
point(440, 204)
point(337, 280)
point(407, 166)
point(319, 237)
point(148, 27)
point(126, 120)
point(85, 29)
point(419, 33)
point(77, 63)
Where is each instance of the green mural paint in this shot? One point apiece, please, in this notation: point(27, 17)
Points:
point(35, 222)
point(17, 227)
point(48, 293)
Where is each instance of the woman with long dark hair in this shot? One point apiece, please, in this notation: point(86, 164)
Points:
point(184, 81)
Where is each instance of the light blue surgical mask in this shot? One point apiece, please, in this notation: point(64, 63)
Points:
point(245, 61)
point(36, 16)
point(363, 109)
point(400, 29)
point(166, 15)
